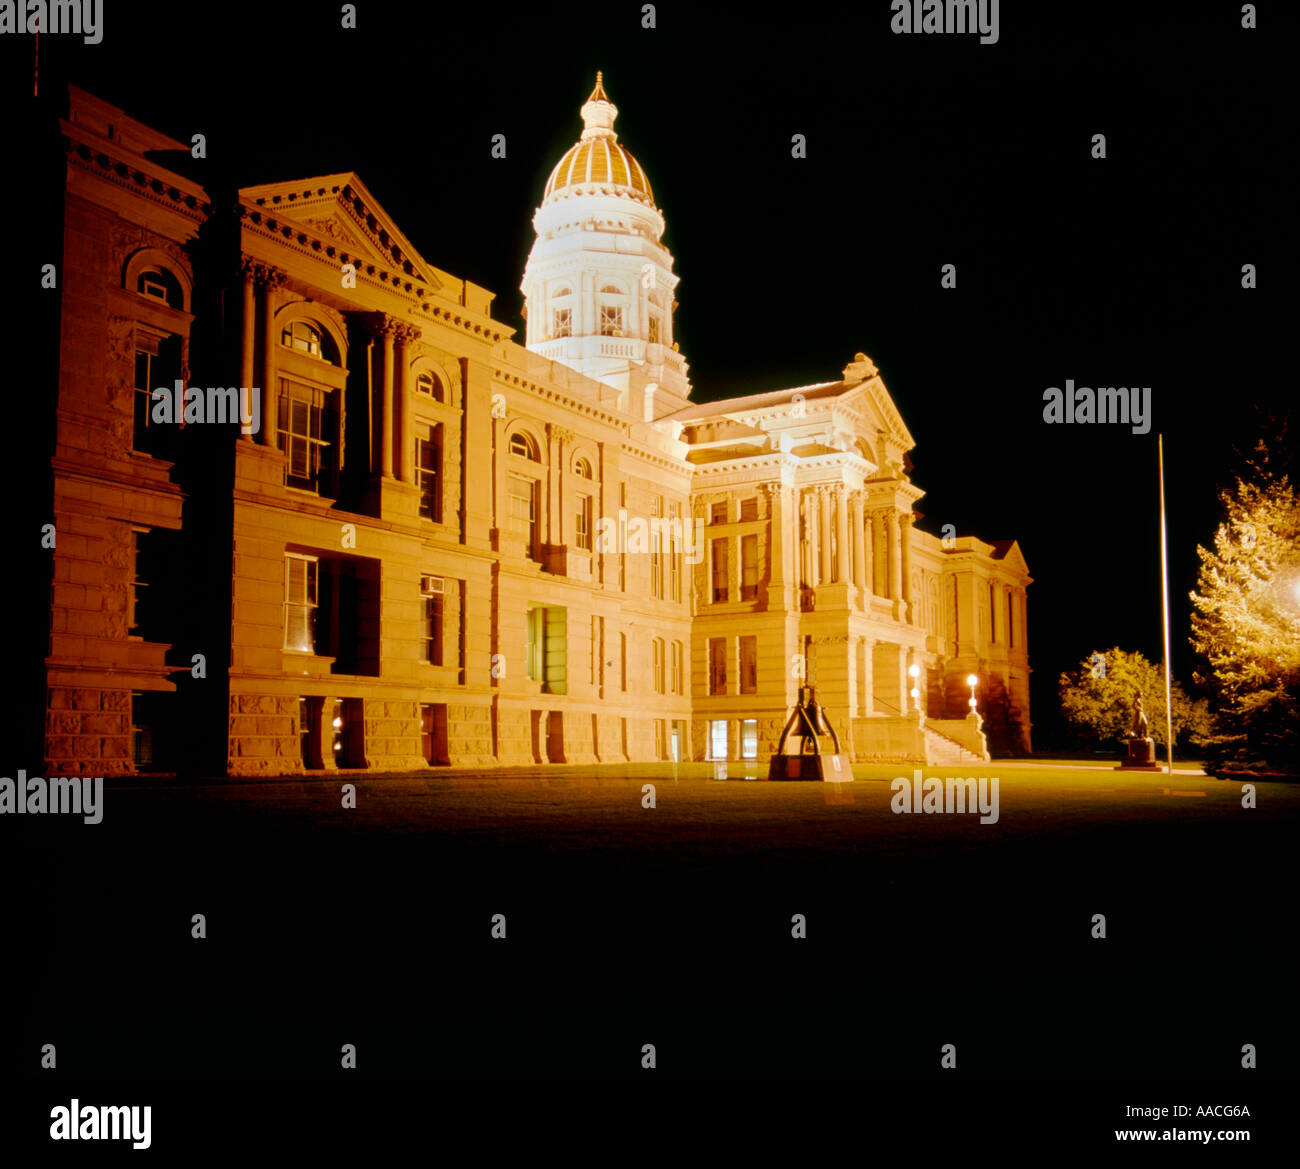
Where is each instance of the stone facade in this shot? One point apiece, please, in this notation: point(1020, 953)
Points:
point(442, 547)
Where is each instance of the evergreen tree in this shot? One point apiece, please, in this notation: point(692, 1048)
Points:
point(1246, 627)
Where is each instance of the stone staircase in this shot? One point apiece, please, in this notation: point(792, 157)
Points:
point(940, 749)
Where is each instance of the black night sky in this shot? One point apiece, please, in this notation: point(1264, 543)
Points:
point(921, 151)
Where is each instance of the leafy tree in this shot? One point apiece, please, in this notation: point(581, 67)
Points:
point(1097, 698)
point(1246, 627)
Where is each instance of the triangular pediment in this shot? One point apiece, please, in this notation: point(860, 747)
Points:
point(1009, 553)
point(339, 210)
point(873, 403)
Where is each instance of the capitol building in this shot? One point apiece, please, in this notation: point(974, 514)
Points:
point(443, 543)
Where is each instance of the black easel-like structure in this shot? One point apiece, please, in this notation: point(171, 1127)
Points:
point(809, 724)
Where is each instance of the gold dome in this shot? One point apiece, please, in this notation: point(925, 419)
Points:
point(597, 160)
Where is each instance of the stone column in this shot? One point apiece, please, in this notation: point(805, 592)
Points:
point(595, 531)
point(824, 543)
point(587, 308)
point(388, 399)
point(842, 534)
point(895, 559)
point(406, 336)
point(270, 280)
point(248, 342)
point(500, 494)
point(803, 521)
point(880, 550)
point(558, 439)
point(905, 541)
point(776, 544)
point(859, 552)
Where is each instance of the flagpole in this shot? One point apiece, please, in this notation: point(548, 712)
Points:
point(1164, 599)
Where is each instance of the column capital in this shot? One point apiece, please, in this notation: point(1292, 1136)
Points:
point(559, 433)
point(267, 275)
point(383, 326)
point(407, 334)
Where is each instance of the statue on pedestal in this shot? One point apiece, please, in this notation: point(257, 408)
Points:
point(1141, 747)
point(1140, 727)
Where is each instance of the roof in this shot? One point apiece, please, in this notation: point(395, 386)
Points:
point(759, 401)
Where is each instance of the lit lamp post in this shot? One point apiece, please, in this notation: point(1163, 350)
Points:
point(915, 671)
point(972, 681)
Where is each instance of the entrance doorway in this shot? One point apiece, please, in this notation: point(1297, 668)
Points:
point(433, 734)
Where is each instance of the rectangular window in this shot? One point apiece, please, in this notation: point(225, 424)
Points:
point(677, 655)
point(622, 556)
point(653, 335)
point(993, 612)
point(749, 568)
point(548, 647)
point(304, 427)
point(583, 524)
point(141, 733)
point(749, 665)
point(749, 738)
point(428, 474)
point(717, 665)
point(658, 651)
point(304, 733)
point(433, 627)
point(157, 366)
point(718, 513)
point(748, 509)
point(536, 643)
point(562, 322)
point(300, 598)
point(135, 602)
point(656, 553)
point(675, 556)
point(143, 393)
point(622, 661)
point(720, 570)
point(661, 738)
point(718, 738)
point(611, 320)
point(523, 509)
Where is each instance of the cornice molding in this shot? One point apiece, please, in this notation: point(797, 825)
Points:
point(112, 168)
point(550, 395)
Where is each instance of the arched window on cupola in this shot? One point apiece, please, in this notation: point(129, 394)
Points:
point(561, 313)
point(611, 315)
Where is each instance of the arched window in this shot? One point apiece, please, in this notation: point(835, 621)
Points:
point(161, 285)
point(303, 337)
point(582, 468)
point(612, 289)
point(561, 292)
point(430, 385)
point(521, 444)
